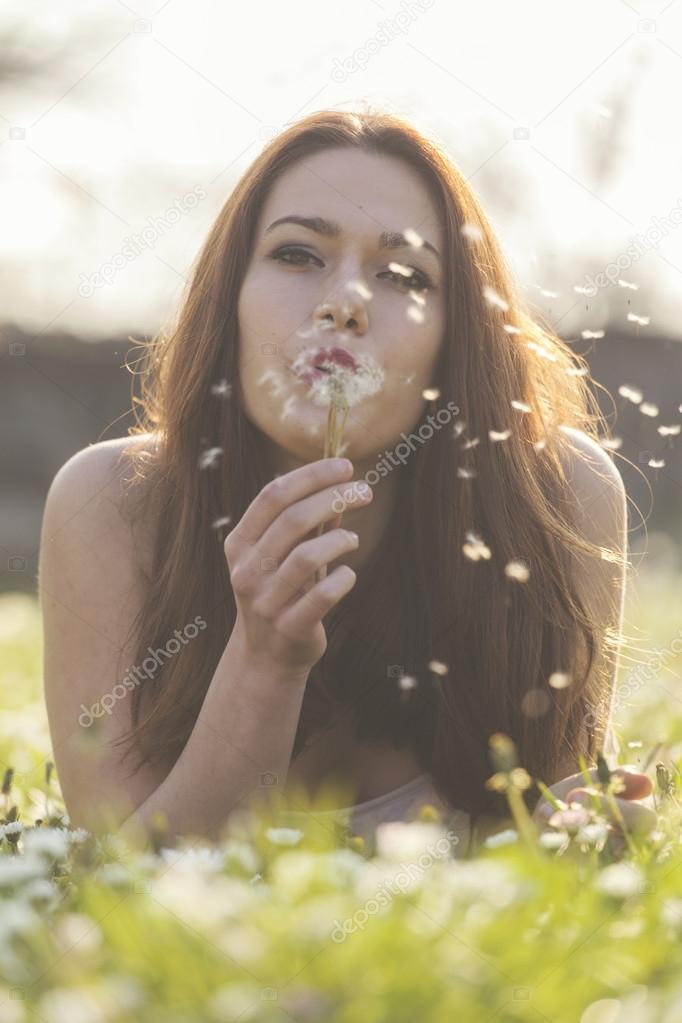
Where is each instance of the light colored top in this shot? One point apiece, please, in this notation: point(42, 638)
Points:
point(402, 803)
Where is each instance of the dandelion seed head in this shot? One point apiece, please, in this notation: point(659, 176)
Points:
point(560, 680)
point(517, 570)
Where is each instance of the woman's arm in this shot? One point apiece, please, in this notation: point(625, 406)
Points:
point(90, 594)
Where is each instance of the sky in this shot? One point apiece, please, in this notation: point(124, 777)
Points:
point(120, 118)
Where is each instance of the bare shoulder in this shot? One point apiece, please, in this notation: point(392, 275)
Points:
point(600, 500)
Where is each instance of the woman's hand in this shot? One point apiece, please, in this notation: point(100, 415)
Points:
point(272, 565)
point(637, 818)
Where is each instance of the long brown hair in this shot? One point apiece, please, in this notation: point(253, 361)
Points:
point(420, 598)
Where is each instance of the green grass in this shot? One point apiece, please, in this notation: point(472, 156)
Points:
point(276, 925)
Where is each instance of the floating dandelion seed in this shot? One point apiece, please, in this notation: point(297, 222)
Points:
point(431, 394)
point(669, 431)
point(611, 443)
point(494, 435)
point(643, 321)
point(413, 238)
point(517, 570)
point(475, 549)
point(631, 393)
point(465, 474)
point(540, 444)
point(627, 284)
point(647, 408)
point(408, 380)
point(580, 371)
point(361, 289)
point(491, 296)
point(588, 335)
point(460, 426)
point(470, 443)
point(219, 523)
point(656, 463)
point(223, 389)
point(521, 406)
point(541, 350)
point(407, 683)
point(415, 314)
point(275, 379)
point(583, 290)
point(438, 667)
point(416, 297)
point(535, 703)
point(400, 268)
point(209, 458)
point(549, 294)
point(472, 232)
point(511, 329)
point(560, 680)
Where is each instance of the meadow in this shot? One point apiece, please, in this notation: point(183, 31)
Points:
point(279, 924)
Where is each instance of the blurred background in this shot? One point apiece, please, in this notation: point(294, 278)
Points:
point(124, 127)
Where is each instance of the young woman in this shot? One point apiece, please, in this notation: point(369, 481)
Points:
point(483, 592)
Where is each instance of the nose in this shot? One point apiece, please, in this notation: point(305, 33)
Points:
point(345, 313)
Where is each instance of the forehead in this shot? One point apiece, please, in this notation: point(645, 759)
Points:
point(365, 193)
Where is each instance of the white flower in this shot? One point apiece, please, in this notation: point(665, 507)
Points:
point(49, 842)
point(593, 834)
point(284, 836)
point(204, 858)
point(620, 880)
point(77, 835)
point(16, 869)
point(13, 828)
point(407, 840)
point(553, 839)
point(505, 837)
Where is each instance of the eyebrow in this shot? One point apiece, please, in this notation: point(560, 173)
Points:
point(387, 239)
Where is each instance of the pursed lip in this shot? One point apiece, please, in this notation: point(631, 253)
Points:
point(308, 363)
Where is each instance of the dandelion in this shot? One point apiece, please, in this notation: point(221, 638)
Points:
point(475, 549)
point(517, 570)
point(431, 394)
point(627, 284)
point(223, 389)
point(491, 296)
point(632, 394)
point(560, 680)
point(647, 408)
point(208, 459)
point(642, 321)
point(521, 406)
point(669, 431)
point(588, 335)
point(495, 436)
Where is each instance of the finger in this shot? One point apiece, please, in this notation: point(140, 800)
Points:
point(636, 817)
point(297, 621)
point(283, 491)
point(637, 785)
point(297, 572)
point(302, 518)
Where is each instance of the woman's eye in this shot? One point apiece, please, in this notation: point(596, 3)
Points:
point(290, 251)
point(416, 281)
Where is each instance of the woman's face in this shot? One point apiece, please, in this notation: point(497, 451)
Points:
point(299, 278)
